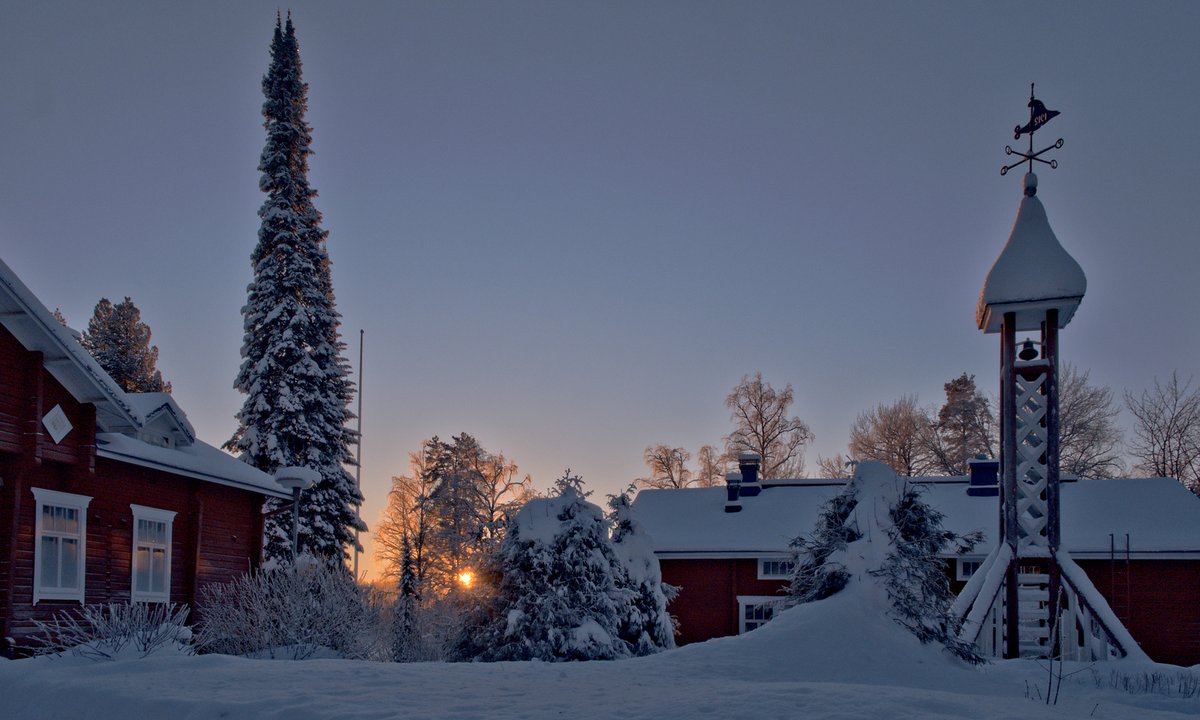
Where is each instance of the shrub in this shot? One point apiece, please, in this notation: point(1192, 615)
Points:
point(106, 631)
point(292, 613)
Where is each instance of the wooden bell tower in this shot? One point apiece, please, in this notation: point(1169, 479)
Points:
point(1028, 597)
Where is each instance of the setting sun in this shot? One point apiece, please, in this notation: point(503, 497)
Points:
point(465, 578)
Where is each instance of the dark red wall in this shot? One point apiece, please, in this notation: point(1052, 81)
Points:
point(1160, 604)
point(216, 533)
point(1161, 608)
point(706, 606)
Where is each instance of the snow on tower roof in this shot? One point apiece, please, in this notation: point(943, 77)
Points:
point(1033, 273)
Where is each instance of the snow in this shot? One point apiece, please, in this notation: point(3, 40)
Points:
point(829, 659)
point(1159, 514)
point(155, 405)
point(1032, 274)
point(199, 460)
point(1099, 605)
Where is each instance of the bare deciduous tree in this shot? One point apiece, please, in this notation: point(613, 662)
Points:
point(836, 467)
point(710, 469)
point(406, 517)
point(896, 434)
point(668, 467)
point(762, 425)
point(1166, 431)
point(1089, 439)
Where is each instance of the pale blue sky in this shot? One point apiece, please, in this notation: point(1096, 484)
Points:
point(570, 228)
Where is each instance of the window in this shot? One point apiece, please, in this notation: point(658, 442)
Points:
point(151, 566)
point(967, 568)
point(60, 539)
point(775, 569)
point(756, 610)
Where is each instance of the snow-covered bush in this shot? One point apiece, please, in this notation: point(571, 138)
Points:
point(914, 574)
point(879, 531)
point(645, 623)
point(107, 631)
point(816, 577)
point(292, 613)
point(557, 595)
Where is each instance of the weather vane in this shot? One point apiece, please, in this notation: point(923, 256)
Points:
point(1038, 116)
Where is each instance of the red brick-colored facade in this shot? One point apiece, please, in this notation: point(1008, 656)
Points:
point(216, 531)
point(1158, 600)
point(707, 604)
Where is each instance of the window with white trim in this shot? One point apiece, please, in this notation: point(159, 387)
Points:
point(60, 545)
point(151, 565)
point(967, 568)
point(756, 610)
point(775, 568)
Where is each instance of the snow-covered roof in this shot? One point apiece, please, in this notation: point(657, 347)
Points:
point(23, 315)
point(161, 413)
point(1032, 274)
point(120, 417)
point(1159, 514)
point(198, 460)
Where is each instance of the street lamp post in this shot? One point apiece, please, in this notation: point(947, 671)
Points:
point(296, 479)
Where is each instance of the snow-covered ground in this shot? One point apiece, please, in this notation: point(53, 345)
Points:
point(838, 658)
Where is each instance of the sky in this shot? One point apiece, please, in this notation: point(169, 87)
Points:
point(570, 229)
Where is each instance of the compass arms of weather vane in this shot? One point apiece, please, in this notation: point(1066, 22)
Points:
point(1038, 116)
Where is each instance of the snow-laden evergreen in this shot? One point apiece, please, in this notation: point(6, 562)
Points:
point(120, 342)
point(294, 373)
point(646, 625)
point(406, 638)
point(558, 595)
point(878, 533)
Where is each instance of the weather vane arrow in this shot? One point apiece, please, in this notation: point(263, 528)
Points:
point(1038, 116)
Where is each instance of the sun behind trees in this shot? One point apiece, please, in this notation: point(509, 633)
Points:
point(450, 510)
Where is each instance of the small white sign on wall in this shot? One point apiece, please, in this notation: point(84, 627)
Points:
point(57, 424)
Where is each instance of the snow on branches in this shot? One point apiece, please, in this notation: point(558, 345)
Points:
point(879, 533)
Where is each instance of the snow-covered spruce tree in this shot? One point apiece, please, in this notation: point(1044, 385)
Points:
point(646, 625)
point(120, 342)
point(557, 596)
point(915, 576)
point(878, 532)
point(816, 576)
point(406, 638)
point(293, 372)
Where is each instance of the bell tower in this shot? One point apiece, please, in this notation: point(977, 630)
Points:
point(1029, 598)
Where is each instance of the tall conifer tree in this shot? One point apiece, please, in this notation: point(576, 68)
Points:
point(120, 342)
point(294, 373)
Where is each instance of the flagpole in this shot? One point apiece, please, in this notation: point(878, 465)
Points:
point(358, 466)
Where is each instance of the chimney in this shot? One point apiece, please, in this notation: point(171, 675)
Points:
point(733, 484)
point(748, 463)
point(983, 473)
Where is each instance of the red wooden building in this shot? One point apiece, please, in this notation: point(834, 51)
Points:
point(105, 495)
point(1138, 540)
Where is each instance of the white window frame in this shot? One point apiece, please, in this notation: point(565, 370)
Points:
point(52, 498)
point(959, 567)
point(762, 568)
point(745, 601)
point(149, 514)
